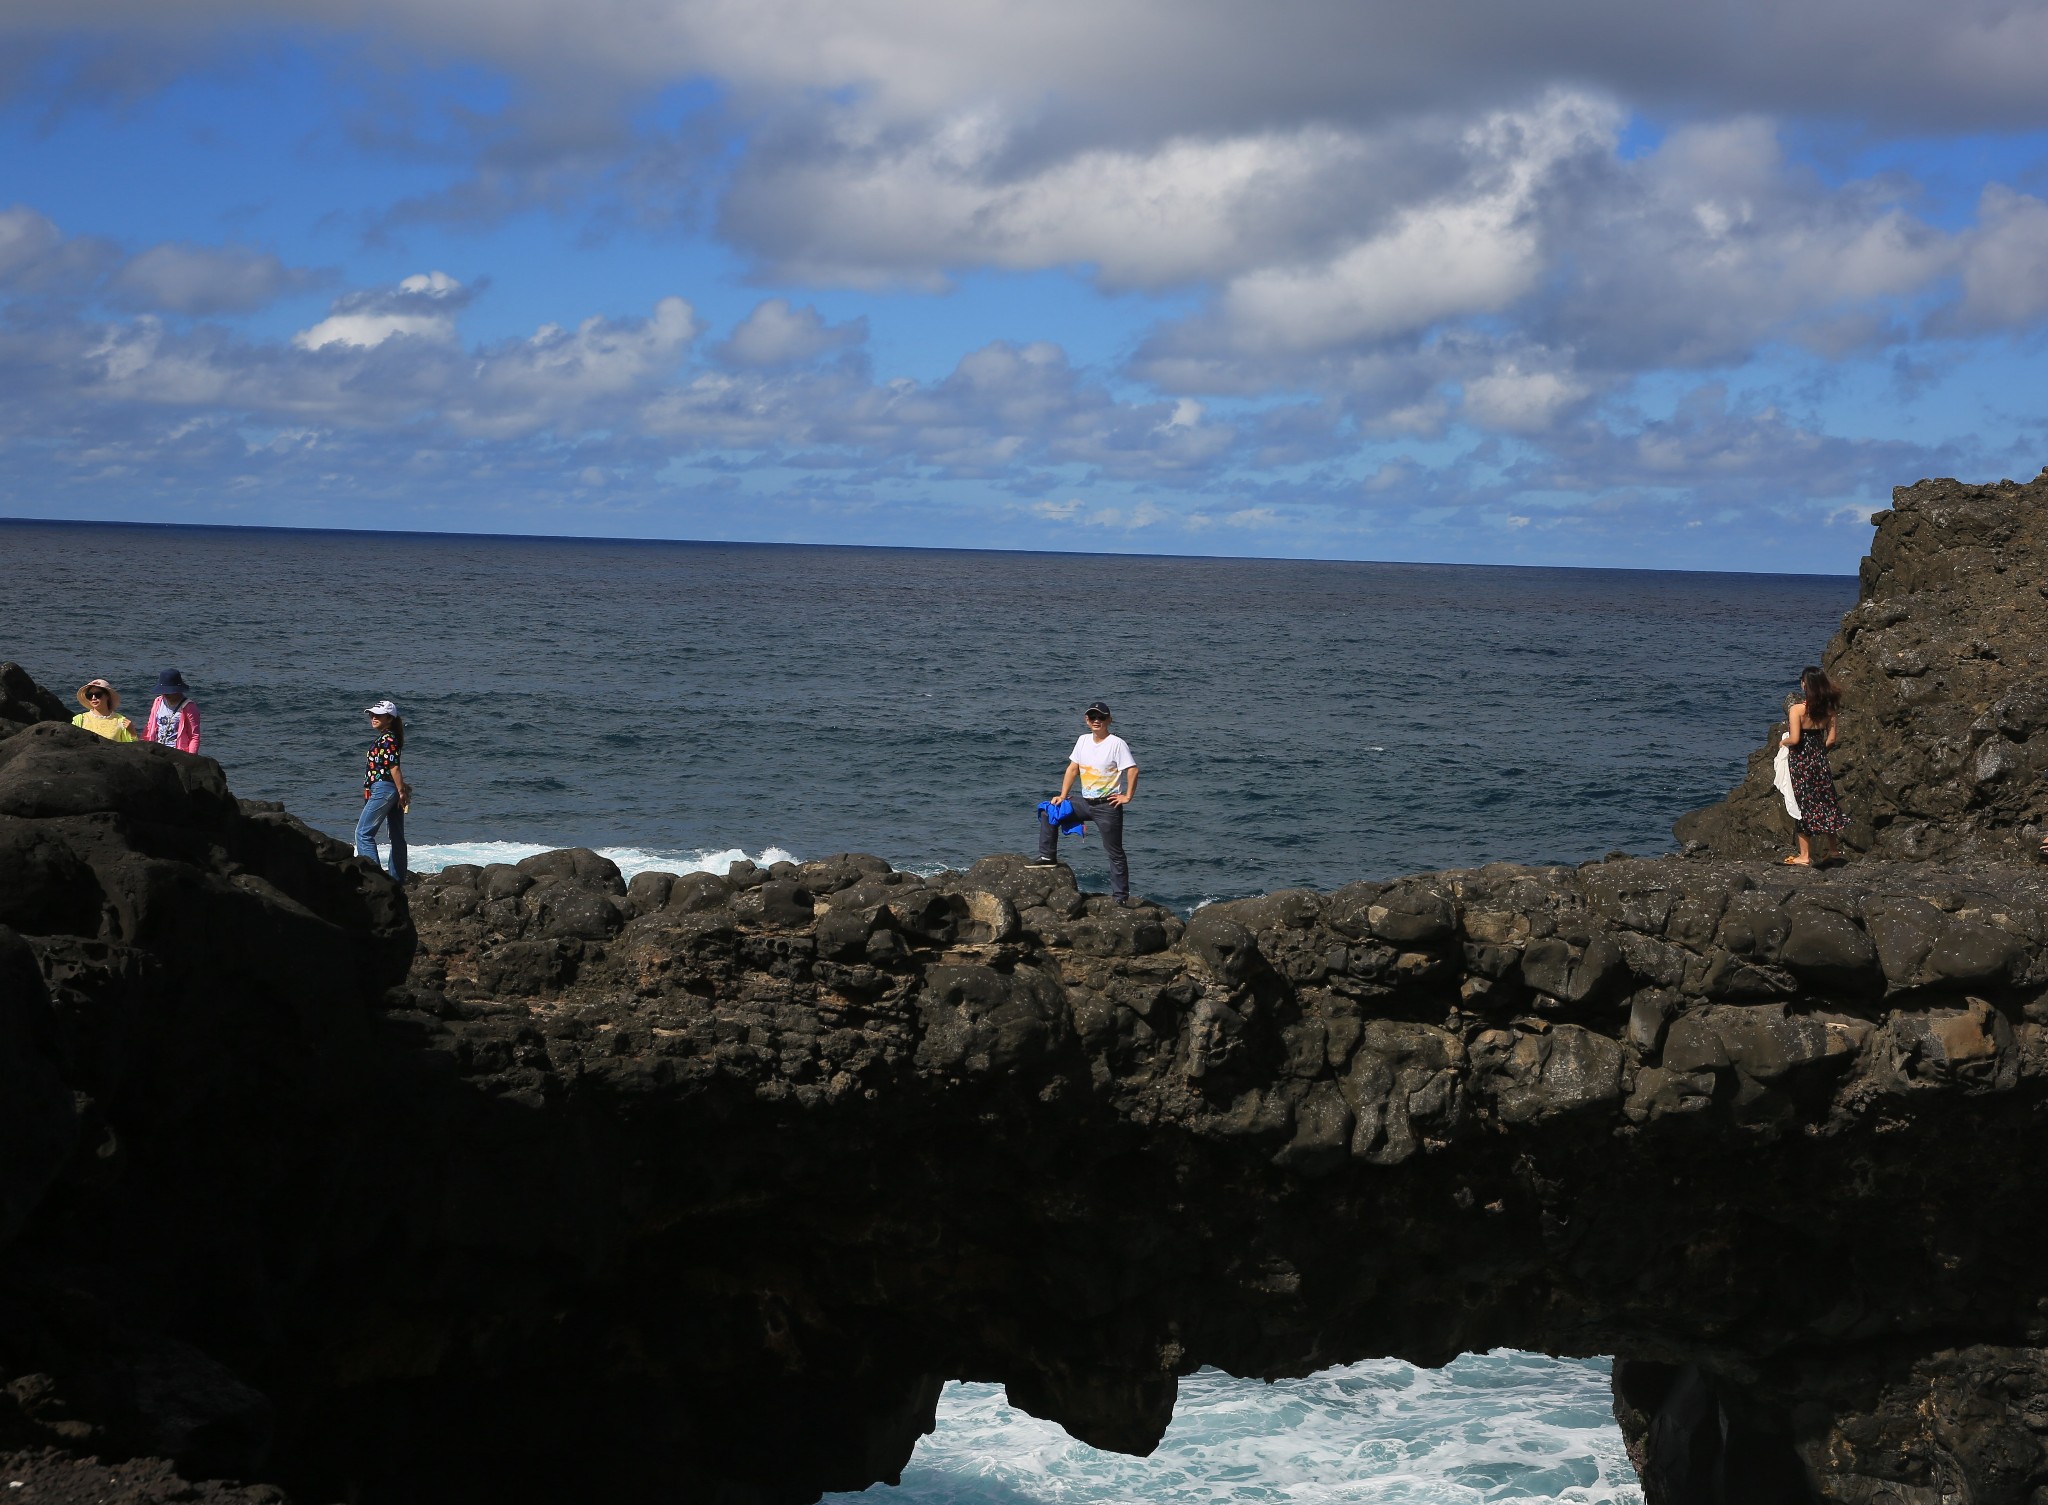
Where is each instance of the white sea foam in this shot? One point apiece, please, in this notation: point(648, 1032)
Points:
point(1503, 1428)
point(631, 860)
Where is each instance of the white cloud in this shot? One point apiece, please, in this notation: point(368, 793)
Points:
point(422, 307)
point(561, 374)
point(1714, 243)
point(1471, 251)
point(1006, 412)
point(861, 206)
point(2005, 264)
point(1521, 401)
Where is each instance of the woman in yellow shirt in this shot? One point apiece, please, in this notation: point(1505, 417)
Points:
point(101, 700)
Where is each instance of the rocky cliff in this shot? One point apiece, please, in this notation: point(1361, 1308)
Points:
point(1944, 668)
point(697, 1188)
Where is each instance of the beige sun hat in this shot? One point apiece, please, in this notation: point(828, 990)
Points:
point(113, 695)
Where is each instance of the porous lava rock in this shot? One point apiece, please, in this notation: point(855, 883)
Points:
point(1943, 665)
point(526, 1181)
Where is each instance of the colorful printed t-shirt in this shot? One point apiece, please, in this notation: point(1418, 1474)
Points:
point(1102, 764)
point(379, 763)
point(113, 728)
point(167, 722)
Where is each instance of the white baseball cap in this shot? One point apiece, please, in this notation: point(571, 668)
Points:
point(383, 708)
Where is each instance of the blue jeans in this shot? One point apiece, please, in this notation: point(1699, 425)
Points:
point(381, 809)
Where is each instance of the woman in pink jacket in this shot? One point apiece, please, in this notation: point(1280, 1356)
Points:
point(173, 717)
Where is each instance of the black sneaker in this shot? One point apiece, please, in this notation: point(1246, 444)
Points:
point(1043, 862)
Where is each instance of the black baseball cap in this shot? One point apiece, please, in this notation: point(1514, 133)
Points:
point(1097, 708)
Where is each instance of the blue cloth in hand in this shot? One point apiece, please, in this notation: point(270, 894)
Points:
point(1057, 813)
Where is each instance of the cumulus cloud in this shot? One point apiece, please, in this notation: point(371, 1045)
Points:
point(1336, 179)
point(775, 335)
point(846, 202)
point(1472, 251)
point(564, 375)
point(1713, 244)
point(1005, 413)
point(191, 279)
point(1519, 401)
point(1549, 269)
point(422, 306)
point(391, 359)
point(2004, 265)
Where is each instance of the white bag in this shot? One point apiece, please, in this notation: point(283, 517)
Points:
point(1781, 779)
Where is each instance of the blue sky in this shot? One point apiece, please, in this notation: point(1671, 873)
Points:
point(1588, 283)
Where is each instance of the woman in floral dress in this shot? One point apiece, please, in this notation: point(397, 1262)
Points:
point(1814, 727)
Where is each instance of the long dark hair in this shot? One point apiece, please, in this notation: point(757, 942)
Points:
point(397, 732)
point(1822, 694)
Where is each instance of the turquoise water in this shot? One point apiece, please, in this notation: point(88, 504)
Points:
point(1489, 1429)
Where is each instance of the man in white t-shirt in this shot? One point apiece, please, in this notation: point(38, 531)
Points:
point(1109, 777)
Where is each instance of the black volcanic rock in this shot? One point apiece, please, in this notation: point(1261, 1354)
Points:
point(23, 702)
point(704, 1210)
point(1944, 669)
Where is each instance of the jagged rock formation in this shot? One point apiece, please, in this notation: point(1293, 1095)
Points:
point(544, 1183)
point(1944, 667)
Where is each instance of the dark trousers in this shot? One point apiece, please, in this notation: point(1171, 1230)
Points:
point(1108, 821)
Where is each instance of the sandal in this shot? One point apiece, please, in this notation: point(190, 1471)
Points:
point(1795, 860)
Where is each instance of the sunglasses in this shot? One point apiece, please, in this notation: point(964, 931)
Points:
point(95, 694)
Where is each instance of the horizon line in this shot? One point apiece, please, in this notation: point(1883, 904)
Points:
point(582, 538)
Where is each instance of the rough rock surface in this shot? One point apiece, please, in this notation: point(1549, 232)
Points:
point(542, 1183)
point(1944, 668)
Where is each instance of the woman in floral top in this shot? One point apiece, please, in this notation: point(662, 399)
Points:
point(386, 796)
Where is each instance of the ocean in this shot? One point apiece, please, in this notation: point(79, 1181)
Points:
point(680, 705)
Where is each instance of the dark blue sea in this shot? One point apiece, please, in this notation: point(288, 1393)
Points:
point(1295, 723)
point(679, 705)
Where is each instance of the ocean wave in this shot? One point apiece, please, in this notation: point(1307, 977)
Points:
point(1502, 1428)
point(631, 860)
